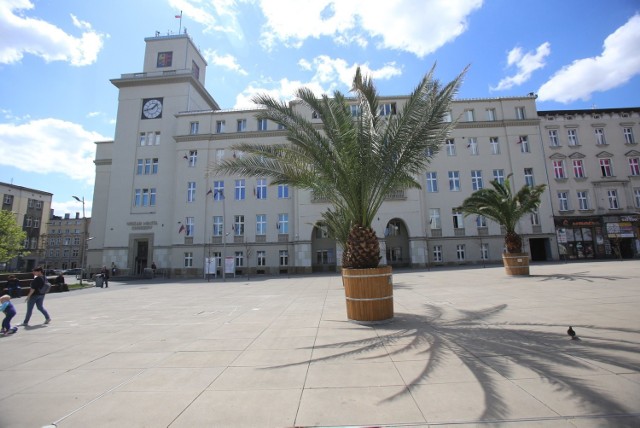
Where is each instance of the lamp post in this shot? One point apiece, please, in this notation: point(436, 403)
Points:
point(84, 238)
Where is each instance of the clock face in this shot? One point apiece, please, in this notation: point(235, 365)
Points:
point(152, 108)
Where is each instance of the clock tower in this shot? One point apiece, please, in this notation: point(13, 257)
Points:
point(136, 172)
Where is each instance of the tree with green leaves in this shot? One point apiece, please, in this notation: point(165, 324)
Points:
point(359, 156)
point(11, 237)
point(504, 207)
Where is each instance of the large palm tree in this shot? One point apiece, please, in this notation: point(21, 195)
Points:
point(504, 207)
point(356, 158)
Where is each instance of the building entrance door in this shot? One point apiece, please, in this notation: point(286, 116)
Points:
point(142, 255)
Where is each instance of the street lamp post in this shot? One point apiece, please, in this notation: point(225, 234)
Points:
point(84, 238)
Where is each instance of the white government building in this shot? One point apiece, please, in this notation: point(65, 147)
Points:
point(154, 202)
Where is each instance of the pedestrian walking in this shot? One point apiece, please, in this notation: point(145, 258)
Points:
point(9, 312)
point(105, 276)
point(36, 298)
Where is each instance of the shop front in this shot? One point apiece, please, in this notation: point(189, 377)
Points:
point(580, 238)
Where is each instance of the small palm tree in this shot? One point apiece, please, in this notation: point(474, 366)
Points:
point(505, 208)
point(355, 160)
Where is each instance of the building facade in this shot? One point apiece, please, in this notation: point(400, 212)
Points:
point(63, 242)
point(158, 199)
point(31, 208)
point(593, 161)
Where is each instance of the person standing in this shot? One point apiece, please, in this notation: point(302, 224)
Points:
point(36, 298)
point(105, 276)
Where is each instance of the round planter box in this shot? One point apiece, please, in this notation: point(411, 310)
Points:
point(369, 293)
point(516, 263)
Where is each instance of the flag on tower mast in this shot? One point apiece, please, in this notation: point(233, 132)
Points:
point(180, 27)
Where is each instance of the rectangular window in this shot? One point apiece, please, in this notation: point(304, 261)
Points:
point(262, 124)
point(144, 197)
point(628, 135)
point(190, 226)
point(481, 221)
point(193, 157)
point(242, 125)
point(553, 138)
point(612, 195)
point(139, 168)
point(563, 201)
point(261, 188)
point(283, 191)
point(469, 116)
point(191, 191)
point(451, 147)
point(217, 225)
point(528, 177)
point(498, 175)
point(284, 257)
point(636, 196)
point(8, 199)
point(558, 169)
point(147, 166)
point(458, 219)
point(520, 113)
point(193, 128)
point(261, 258)
point(495, 145)
point(454, 181)
point(472, 145)
point(283, 223)
point(437, 253)
point(154, 166)
point(476, 180)
point(188, 259)
point(572, 137)
point(524, 144)
point(432, 181)
point(460, 252)
point(143, 139)
point(218, 190)
point(240, 190)
point(491, 114)
point(219, 126)
point(434, 218)
point(583, 200)
point(261, 224)
point(606, 168)
point(239, 256)
point(634, 166)
point(238, 225)
point(388, 109)
point(164, 59)
point(578, 168)
point(600, 139)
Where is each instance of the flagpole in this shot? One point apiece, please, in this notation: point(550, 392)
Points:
point(180, 27)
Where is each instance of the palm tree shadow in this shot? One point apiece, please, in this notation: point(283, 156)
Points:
point(578, 276)
point(472, 338)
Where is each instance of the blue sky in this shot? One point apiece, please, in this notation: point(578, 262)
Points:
point(56, 59)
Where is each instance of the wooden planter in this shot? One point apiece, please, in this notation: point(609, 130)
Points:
point(369, 293)
point(516, 263)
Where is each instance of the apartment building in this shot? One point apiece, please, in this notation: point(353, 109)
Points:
point(594, 180)
point(31, 208)
point(65, 241)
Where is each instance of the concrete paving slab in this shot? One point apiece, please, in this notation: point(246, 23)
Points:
point(467, 347)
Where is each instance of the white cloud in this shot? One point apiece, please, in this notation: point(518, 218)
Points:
point(525, 64)
point(62, 147)
point(218, 15)
point(227, 61)
point(615, 66)
point(419, 27)
point(20, 36)
point(330, 74)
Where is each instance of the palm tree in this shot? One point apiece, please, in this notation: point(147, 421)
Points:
point(502, 206)
point(356, 159)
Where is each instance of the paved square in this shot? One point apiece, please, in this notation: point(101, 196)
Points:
point(468, 346)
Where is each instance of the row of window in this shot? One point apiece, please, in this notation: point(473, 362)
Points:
point(238, 226)
point(31, 203)
point(473, 145)
point(457, 219)
point(606, 168)
point(469, 115)
point(461, 252)
point(584, 201)
point(31, 222)
point(600, 139)
point(65, 253)
point(477, 181)
point(64, 241)
point(30, 243)
point(239, 258)
point(66, 231)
